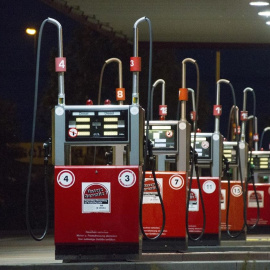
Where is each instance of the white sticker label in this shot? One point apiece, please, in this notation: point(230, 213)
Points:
point(176, 182)
point(59, 111)
point(242, 145)
point(205, 145)
point(209, 186)
point(150, 195)
point(183, 126)
point(127, 178)
point(215, 137)
point(223, 199)
point(96, 197)
point(252, 201)
point(236, 190)
point(194, 200)
point(65, 179)
point(134, 110)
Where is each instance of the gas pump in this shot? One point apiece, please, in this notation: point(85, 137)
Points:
point(163, 136)
point(250, 188)
point(237, 193)
point(261, 162)
point(258, 197)
point(96, 207)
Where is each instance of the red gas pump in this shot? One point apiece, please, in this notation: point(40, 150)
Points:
point(97, 212)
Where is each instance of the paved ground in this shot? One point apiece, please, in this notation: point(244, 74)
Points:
point(21, 252)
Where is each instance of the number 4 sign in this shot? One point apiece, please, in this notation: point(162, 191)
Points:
point(60, 64)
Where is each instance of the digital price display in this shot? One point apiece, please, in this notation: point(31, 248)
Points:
point(261, 160)
point(203, 145)
point(97, 125)
point(163, 135)
point(230, 151)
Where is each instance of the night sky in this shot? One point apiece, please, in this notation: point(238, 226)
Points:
point(244, 67)
point(18, 57)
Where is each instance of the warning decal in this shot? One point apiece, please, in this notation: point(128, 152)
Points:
point(223, 199)
point(194, 200)
point(150, 195)
point(96, 197)
point(252, 200)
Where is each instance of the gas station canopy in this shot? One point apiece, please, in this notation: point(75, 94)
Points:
point(210, 21)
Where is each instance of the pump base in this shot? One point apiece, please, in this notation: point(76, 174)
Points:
point(208, 239)
point(165, 245)
point(105, 252)
point(241, 237)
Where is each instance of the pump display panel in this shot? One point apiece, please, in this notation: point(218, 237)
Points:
point(230, 151)
point(163, 135)
point(203, 145)
point(261, 160)
point(97, 124)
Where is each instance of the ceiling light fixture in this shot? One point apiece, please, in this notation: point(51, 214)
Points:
point(259, 3)
point(268, 22)
point(265, 13)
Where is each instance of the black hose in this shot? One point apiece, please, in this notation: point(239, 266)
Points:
point(241, 177)
point(146, 147)
point(194, 161)
point(252, 176)
point(30, 230)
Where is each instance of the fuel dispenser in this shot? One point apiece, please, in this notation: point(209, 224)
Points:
point(163, 135)
point(97, 208)
point(209, 148)
point(104, 221)
point(258, 198)
point(261, 162)
point(233, 204)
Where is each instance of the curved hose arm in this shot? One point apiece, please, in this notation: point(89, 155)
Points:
point(120, 73)
point(183, 102)
point(61, 88)
point(243, 127)
point(159, 81)
point(266, 129)
point(135, 75)
point(108, 61)
point(218, 102)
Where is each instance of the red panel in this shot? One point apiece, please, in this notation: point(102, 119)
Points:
point(173, 190)
point(211, 197)
point(236, 210)
point(263, 192)
point(97, 204)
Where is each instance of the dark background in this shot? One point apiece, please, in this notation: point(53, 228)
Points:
point(245, 65)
